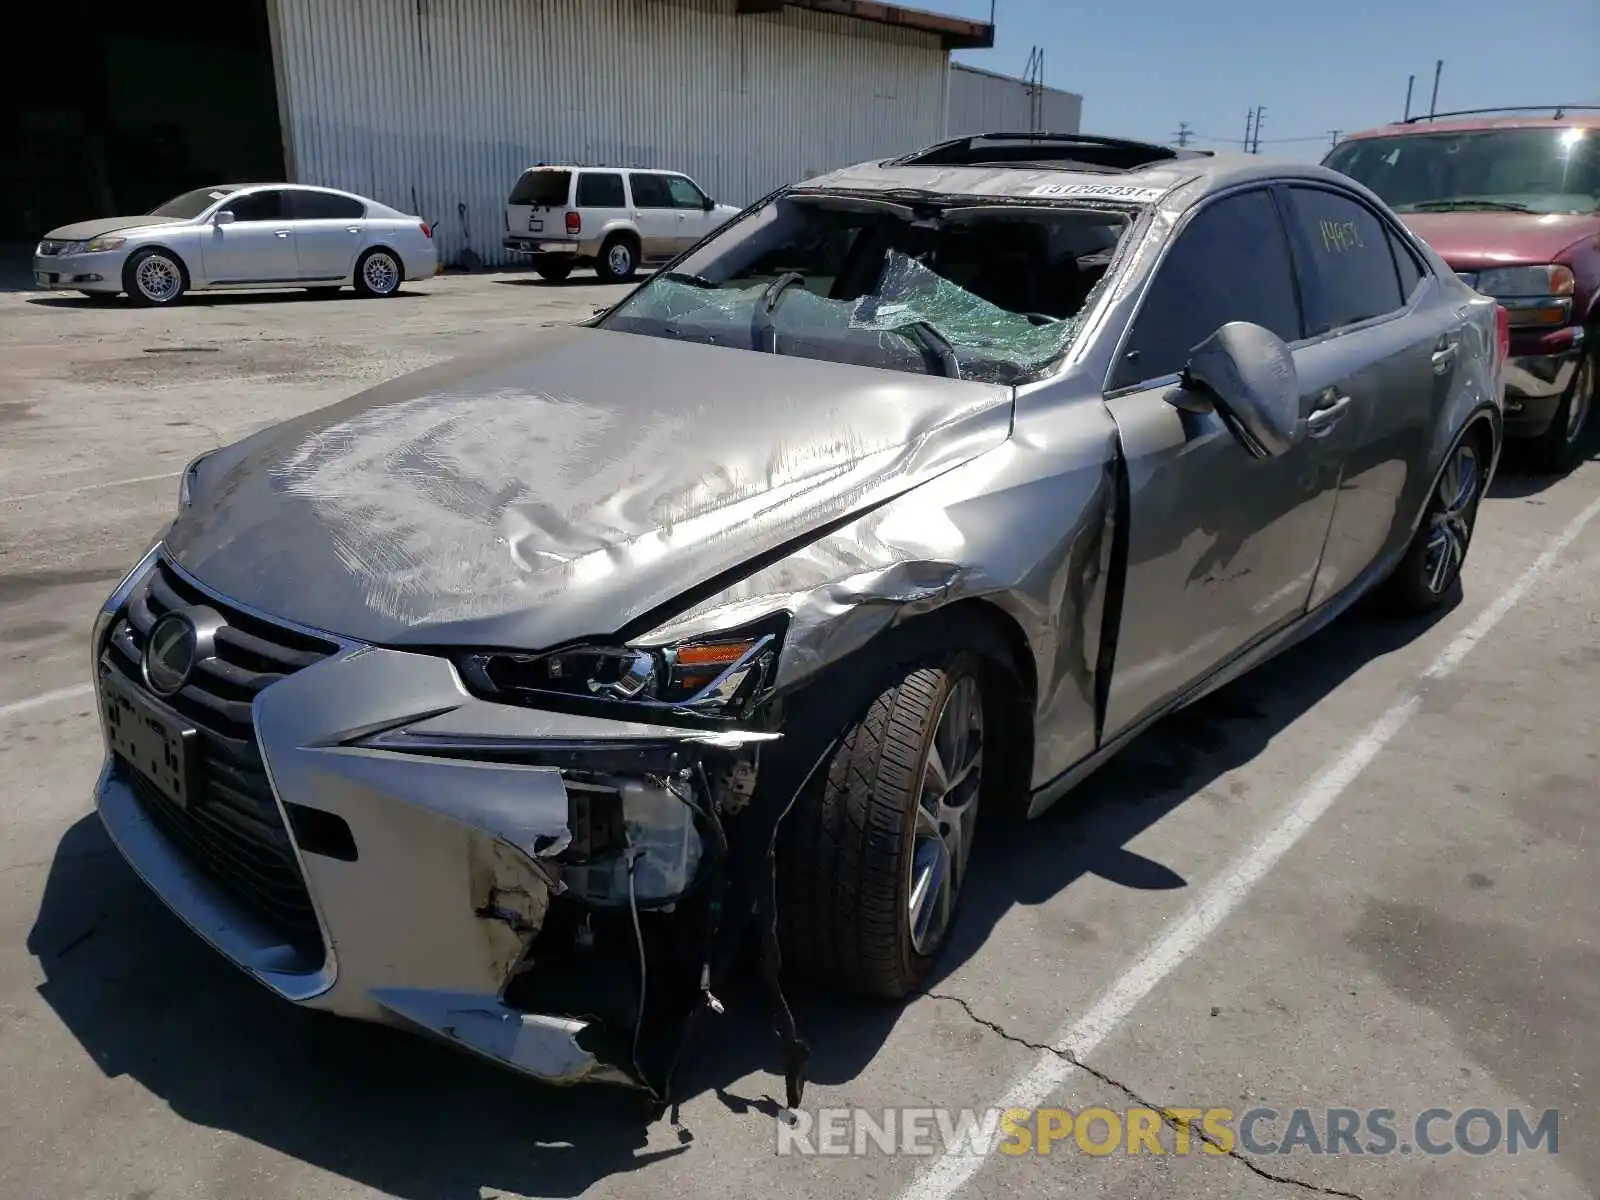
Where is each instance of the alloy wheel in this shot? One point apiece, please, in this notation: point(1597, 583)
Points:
point(158, 278)
point(620, 259)
point(381, 273)
point(952, 777)
point(1450, 520)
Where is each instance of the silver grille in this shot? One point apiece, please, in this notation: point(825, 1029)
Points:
point(231, 826)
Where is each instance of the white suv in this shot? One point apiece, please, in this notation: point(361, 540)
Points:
point(613, 218)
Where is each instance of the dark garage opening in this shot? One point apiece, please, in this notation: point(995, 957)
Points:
point(114, 108)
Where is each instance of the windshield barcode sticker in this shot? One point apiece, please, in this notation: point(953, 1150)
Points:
point(1101, 191)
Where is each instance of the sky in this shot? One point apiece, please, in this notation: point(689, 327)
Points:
point(1142, 68)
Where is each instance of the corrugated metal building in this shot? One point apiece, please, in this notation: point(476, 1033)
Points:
point(437, 105)
point(983, 102)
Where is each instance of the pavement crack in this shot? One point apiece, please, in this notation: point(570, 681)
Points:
point(1167, 1116)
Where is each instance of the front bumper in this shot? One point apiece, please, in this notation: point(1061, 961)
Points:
point(99, 272)
point(1537, 376)
point(428, 904)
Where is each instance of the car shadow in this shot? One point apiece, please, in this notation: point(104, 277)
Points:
point(1519, 478)
point(422, 1121)
point(222, 299)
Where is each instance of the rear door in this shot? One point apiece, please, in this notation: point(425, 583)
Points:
point(258, 246)
point(1390, 356)
point(1222, 547)
point(327, 233)
point(656, 215)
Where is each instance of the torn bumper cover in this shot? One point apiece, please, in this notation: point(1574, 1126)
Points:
point(558, 893)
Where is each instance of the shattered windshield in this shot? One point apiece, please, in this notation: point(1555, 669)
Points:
point(1487, 170)
point(990, 293)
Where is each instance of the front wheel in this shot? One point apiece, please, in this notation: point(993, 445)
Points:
point(1557, 450)
point(1430, 574)
point(871, 862)
point(154, 277)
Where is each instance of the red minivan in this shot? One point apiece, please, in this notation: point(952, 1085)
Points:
point(1511, 201)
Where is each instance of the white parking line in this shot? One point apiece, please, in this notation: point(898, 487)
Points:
point(945, 1176)
point(17, 707)
point(88, 487)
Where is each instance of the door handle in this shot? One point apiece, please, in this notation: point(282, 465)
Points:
point(283, 233)
point(1444, 355)
point(353, 229)
point(1326, 415)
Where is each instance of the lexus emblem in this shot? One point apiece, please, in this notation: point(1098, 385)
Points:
point(178, 642)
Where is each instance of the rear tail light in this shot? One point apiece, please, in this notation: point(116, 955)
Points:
point(427, 230)
point(574, 223)
point(1502, 333)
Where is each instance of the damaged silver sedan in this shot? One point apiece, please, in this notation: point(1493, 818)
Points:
point(506, 701)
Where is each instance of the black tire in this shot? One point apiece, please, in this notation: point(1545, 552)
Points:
point(154, 278)
point(619, 259)
point(846, 850)
point(555, 272)
point(1557, 450)
point(379, 273)
point(1423, 582)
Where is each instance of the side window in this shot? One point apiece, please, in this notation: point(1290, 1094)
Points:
point(323, 206)
point(650, 191)
point(1354, 277)
point(1411, 272)
point(1230, 263)
point(684, 194)
point(258, 206)
point(600, 190)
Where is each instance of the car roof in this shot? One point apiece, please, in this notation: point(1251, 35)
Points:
point(1546, 118)
point(1044, 181)
point(548, 166)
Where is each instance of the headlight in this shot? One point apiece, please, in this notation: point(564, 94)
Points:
point(1531, 296)
point(718, 677)
point(96, 245)
point(1512, 282)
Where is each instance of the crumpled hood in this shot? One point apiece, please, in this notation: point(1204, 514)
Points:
point(563, 488)
point(1474, 241)
point(83, 230)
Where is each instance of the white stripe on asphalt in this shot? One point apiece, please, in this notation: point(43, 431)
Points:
point(948, 1174)
point(17, 707)
point(88, 487)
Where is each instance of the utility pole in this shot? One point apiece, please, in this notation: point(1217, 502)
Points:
point(1249, 128)
point(1034, 78)
point(1410, 83)
point(1438, 69)
point(1333, 137)
point(1261, 115)
point(1184, 134)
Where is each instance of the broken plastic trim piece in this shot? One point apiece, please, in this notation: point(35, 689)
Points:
point(542, 1045)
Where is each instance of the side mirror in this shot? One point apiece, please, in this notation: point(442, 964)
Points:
point(1248, 373)
point(708, 204)
point(223, 217)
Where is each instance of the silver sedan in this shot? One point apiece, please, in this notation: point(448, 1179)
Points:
point(240, 236)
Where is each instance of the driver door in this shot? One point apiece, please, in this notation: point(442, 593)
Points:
point(1223, 548)
point(258, 246)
